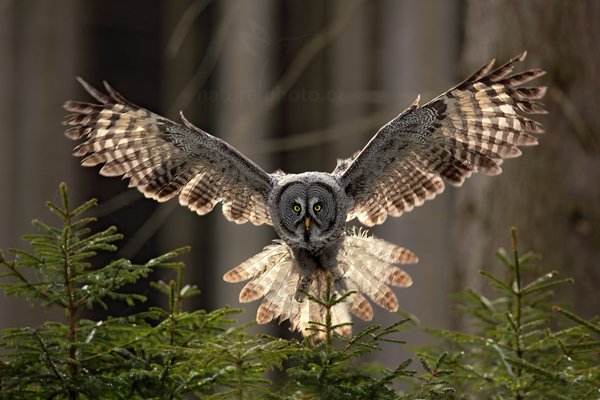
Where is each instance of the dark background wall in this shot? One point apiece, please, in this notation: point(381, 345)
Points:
point(295, 85)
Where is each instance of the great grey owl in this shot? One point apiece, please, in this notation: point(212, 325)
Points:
point(470, 128)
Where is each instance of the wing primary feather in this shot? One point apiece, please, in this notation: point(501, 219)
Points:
point(96, 94)
point(504, 69)
point(481, 72)
point(116, 96)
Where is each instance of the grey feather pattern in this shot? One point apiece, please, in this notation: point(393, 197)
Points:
point(164, 159)
point(470, 128)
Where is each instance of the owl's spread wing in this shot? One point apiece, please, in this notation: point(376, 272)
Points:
point(470, 128)
point(164, 159)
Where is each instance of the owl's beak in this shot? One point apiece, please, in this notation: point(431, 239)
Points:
point(307, 223)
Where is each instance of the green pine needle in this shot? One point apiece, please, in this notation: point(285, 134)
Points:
point(516, 348)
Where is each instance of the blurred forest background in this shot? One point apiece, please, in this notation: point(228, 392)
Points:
point(294, 85)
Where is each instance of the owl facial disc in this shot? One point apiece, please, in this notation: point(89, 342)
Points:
point(309, 210)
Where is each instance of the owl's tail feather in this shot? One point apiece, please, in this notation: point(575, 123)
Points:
point(309, 316)
point(279, 300)
point(379, 248)
point(275, 277)
point(364, 266)
point(359, 305)
point(266, 282)
point(352, 272)
point(367, 265)
point(258, 264)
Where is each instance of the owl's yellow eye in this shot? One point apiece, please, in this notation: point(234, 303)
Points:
point(317, 207)
point(296, 208)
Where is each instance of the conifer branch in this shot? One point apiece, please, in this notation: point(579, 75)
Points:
point(519, 352)
point(517, 348)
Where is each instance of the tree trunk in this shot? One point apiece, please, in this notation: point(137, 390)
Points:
point(38, 48)
point(552, 193)
point(419, 42)
point(244, 73)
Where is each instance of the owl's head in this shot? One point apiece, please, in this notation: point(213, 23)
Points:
point(308, 210)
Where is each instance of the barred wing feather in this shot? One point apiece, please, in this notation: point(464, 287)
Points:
point(164, 159)
point(471, 128)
